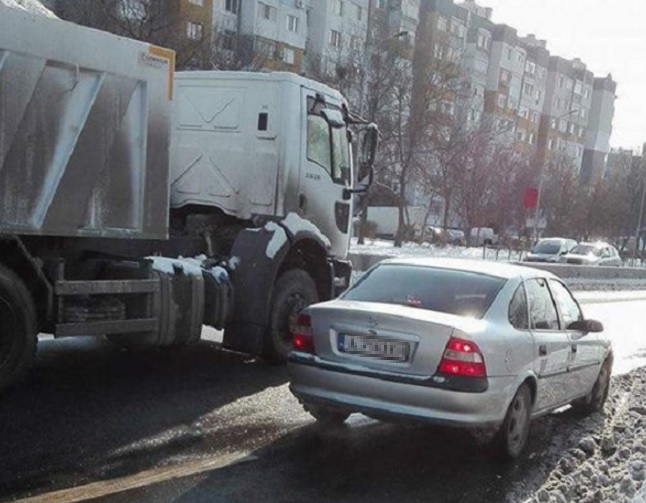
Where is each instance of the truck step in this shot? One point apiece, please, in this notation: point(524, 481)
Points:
point(107, 287)
point(107, 327)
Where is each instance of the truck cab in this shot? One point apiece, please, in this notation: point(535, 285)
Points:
point(261, 146)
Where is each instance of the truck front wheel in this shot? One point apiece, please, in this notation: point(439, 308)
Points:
point(293, 292)
point(18, 330)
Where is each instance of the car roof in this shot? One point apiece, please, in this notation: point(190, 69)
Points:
point(596, 244)
point(497, 269)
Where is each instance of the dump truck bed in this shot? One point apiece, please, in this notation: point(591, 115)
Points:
point(84, 130)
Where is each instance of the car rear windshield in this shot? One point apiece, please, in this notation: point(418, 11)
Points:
point(444, 290)
point(547, 247)
point(585, 250)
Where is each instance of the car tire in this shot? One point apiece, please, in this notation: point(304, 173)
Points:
point(511, 438)
point(18, 329)
point(327, 417)
point(596, 399)
point(293, 292)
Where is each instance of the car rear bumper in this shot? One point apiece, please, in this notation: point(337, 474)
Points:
point(377, 397)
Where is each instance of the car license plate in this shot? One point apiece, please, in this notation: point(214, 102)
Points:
point(374, 347)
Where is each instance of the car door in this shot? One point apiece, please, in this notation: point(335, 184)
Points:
point(586, 351)
point(552, 348)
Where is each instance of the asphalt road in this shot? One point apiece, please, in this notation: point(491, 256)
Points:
point(207, 425)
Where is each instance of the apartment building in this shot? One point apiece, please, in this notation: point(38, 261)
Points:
point(597, 136)
point(273, 31)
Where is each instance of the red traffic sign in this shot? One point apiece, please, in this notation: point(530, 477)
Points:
point(530, 199)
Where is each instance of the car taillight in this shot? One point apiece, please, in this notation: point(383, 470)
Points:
point(302, 339)
point(462, 358)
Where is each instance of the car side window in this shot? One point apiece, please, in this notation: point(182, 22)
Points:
point(518, 311)
point(570, 310)
point(543, 315)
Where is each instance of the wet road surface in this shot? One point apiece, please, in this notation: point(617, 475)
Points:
point(91, 412)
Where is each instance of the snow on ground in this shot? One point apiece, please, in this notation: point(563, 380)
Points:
point(384, 247)
point(33, 6)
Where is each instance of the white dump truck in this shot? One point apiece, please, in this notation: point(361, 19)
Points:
point(139, 204)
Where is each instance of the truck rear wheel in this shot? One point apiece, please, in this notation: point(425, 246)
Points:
point(18, 330)
point(293, 292)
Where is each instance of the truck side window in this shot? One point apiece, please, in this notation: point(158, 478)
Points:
point(341, 155)
point(318, 142)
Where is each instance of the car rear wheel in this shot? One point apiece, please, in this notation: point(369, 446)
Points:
point(595, 401)
point(512, 436)
point(326, 416)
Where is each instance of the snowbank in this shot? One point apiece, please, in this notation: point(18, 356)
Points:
point(33, 6)
point(603, 458)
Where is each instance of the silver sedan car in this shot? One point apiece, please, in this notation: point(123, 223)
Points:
point(462, 343)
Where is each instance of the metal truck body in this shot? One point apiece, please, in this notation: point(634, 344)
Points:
point(112, 170)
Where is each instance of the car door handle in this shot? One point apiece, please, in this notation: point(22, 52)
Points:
point(542, 350)
point(574, 348)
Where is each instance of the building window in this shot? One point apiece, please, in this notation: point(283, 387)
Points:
point(335, 38)
point(535, 117)
point(531, 139)
point(448, 108)
point(194, 30)
point(520, 56)
point(292, 23)
point(288, 56)
point(229, 40)
point(442, 24)
point(581, 132)
point(569, 84)
point(483, 41)
point(502, 100)
point(571, 128)
point(530, 67)
point(457, 29)
point(337, 7)
point(521, 135)
point(359, 13)
point(438, 51)
point(505, 77)
point(528, 88)
point(550, 144)
point(197, 2)
point(540, 73)
point(267, 11)
point(523, 112)
point(231, 6)
point(578, 87)
point(478, 91)
point(538, 95)
point(383, 4)
point(586, 93)
point(562, 126)
point(510, 53)
point(355, 43)
point(577, 150)
point(583, 113)
point(561, 82)
point(557, 103)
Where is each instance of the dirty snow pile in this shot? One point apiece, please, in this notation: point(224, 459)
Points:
point(33, 6)
point(605, 461)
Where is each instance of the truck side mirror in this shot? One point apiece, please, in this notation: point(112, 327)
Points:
point(368, 148)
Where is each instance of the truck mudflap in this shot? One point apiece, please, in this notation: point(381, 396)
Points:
point(260, 254)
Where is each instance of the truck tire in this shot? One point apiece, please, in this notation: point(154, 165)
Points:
point(18, 329)
point(293, 292)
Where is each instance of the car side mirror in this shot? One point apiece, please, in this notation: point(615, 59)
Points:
point(586, 326)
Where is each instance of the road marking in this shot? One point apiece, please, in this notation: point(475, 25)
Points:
point(139, 480)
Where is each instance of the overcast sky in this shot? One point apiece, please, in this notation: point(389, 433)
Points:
point(608, 35)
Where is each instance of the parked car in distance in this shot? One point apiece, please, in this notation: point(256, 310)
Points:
point(550, 250)
point(598, 253)
point(481, 236)
point(462, 343)
point(449, 236)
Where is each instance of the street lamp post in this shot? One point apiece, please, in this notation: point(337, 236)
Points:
point(540, 181)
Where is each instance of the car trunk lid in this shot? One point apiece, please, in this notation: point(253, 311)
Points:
point(384, 337)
